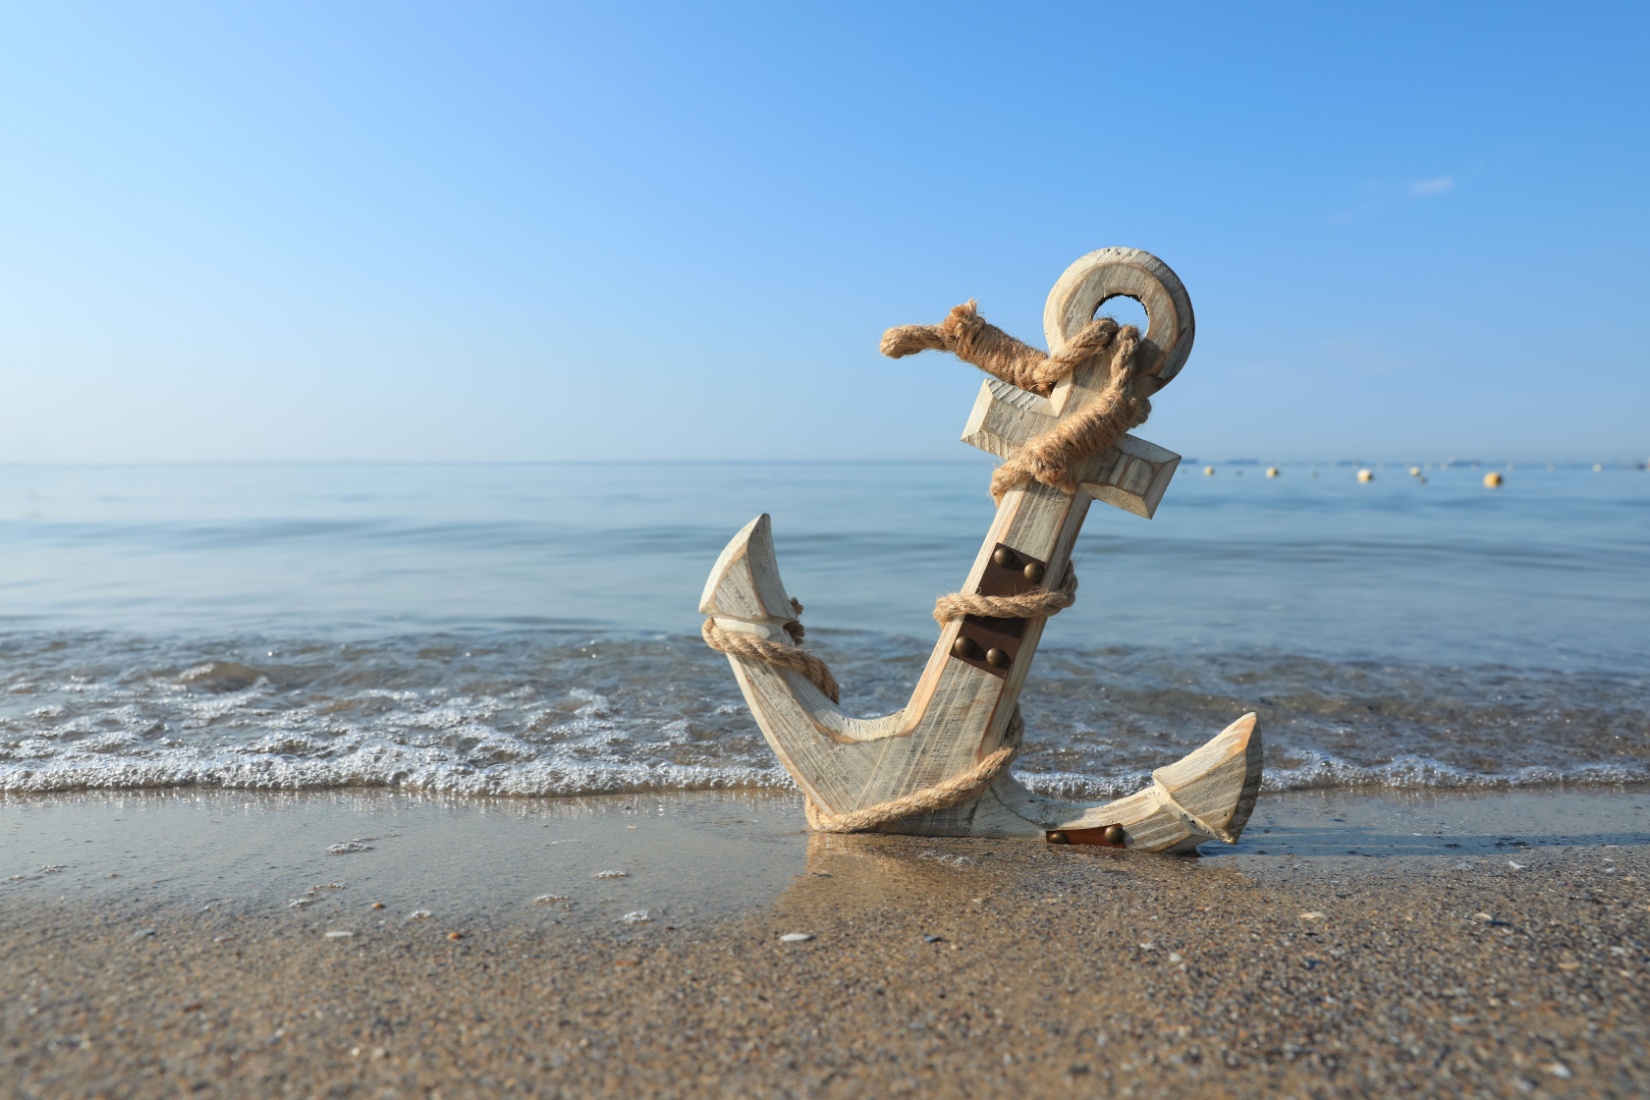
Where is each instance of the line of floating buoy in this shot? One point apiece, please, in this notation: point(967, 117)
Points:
point(1366, 475)
point(1492, 480)
point(1415, 471)
point(1271, 471)
point(1208, 471)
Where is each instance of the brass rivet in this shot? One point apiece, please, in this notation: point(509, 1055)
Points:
point(965, 647)
point(1114, 834)
point(996, 658)
point(1058, 837)
point(1033, 572)
point(1005, 558)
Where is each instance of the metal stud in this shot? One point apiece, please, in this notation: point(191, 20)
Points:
point(1057, 837)
point(1033, 572)
point(1005, 557)
point(965, 647)
point(1114, 834)
point(996, 658)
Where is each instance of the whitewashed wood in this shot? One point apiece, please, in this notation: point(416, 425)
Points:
point(742, 588)
point(958, 714)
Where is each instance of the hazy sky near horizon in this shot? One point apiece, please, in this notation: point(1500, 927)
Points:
point(500, 231)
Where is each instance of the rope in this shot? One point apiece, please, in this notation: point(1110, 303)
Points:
point(1027, 605)
point(1048, 458)
point(968, 336)
point(772, 653)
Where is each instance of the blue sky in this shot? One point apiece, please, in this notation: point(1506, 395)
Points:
point(407, 231)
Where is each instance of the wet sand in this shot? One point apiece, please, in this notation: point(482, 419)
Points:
point(211, 943)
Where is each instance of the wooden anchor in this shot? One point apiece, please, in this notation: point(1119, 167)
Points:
point(946, 748)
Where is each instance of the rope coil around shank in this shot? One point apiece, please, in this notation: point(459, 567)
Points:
point(1048, 459)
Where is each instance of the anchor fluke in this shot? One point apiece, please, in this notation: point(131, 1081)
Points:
point(744, 583)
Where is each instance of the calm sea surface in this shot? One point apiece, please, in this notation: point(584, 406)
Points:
point(532, 629)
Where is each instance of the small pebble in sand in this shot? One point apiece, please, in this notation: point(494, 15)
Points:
point(298, 903)
point(796, 937)
point(378, 905)
point(347, 847)
point(611, 874)
point(1314, 915)
point(1515, 865)
point(1176, 957)
point(339, 935)
point(455, 935)
point(933, 939)
point(419, 914)
point(549, 899)
point(1560, 1070)
point(637, 916)
point(142, 933)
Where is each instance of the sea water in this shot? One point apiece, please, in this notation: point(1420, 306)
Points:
point(532, 629)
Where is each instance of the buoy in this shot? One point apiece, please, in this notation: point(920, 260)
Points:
point(1208, 471)
point(1415, 471)
point(1598, 467)
point(1366, 475)
point(1492, 480)
point(1271, 471)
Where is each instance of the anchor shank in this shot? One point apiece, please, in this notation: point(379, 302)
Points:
point(1038, 523)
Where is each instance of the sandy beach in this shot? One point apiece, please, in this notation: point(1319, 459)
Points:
point(233, 944)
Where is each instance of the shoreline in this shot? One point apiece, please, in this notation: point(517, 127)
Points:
point(1495, 943)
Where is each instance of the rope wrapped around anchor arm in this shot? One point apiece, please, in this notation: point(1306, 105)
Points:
point(940, 796)
point(791, 656)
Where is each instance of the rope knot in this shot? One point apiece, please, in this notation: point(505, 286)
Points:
point(1098, 424)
